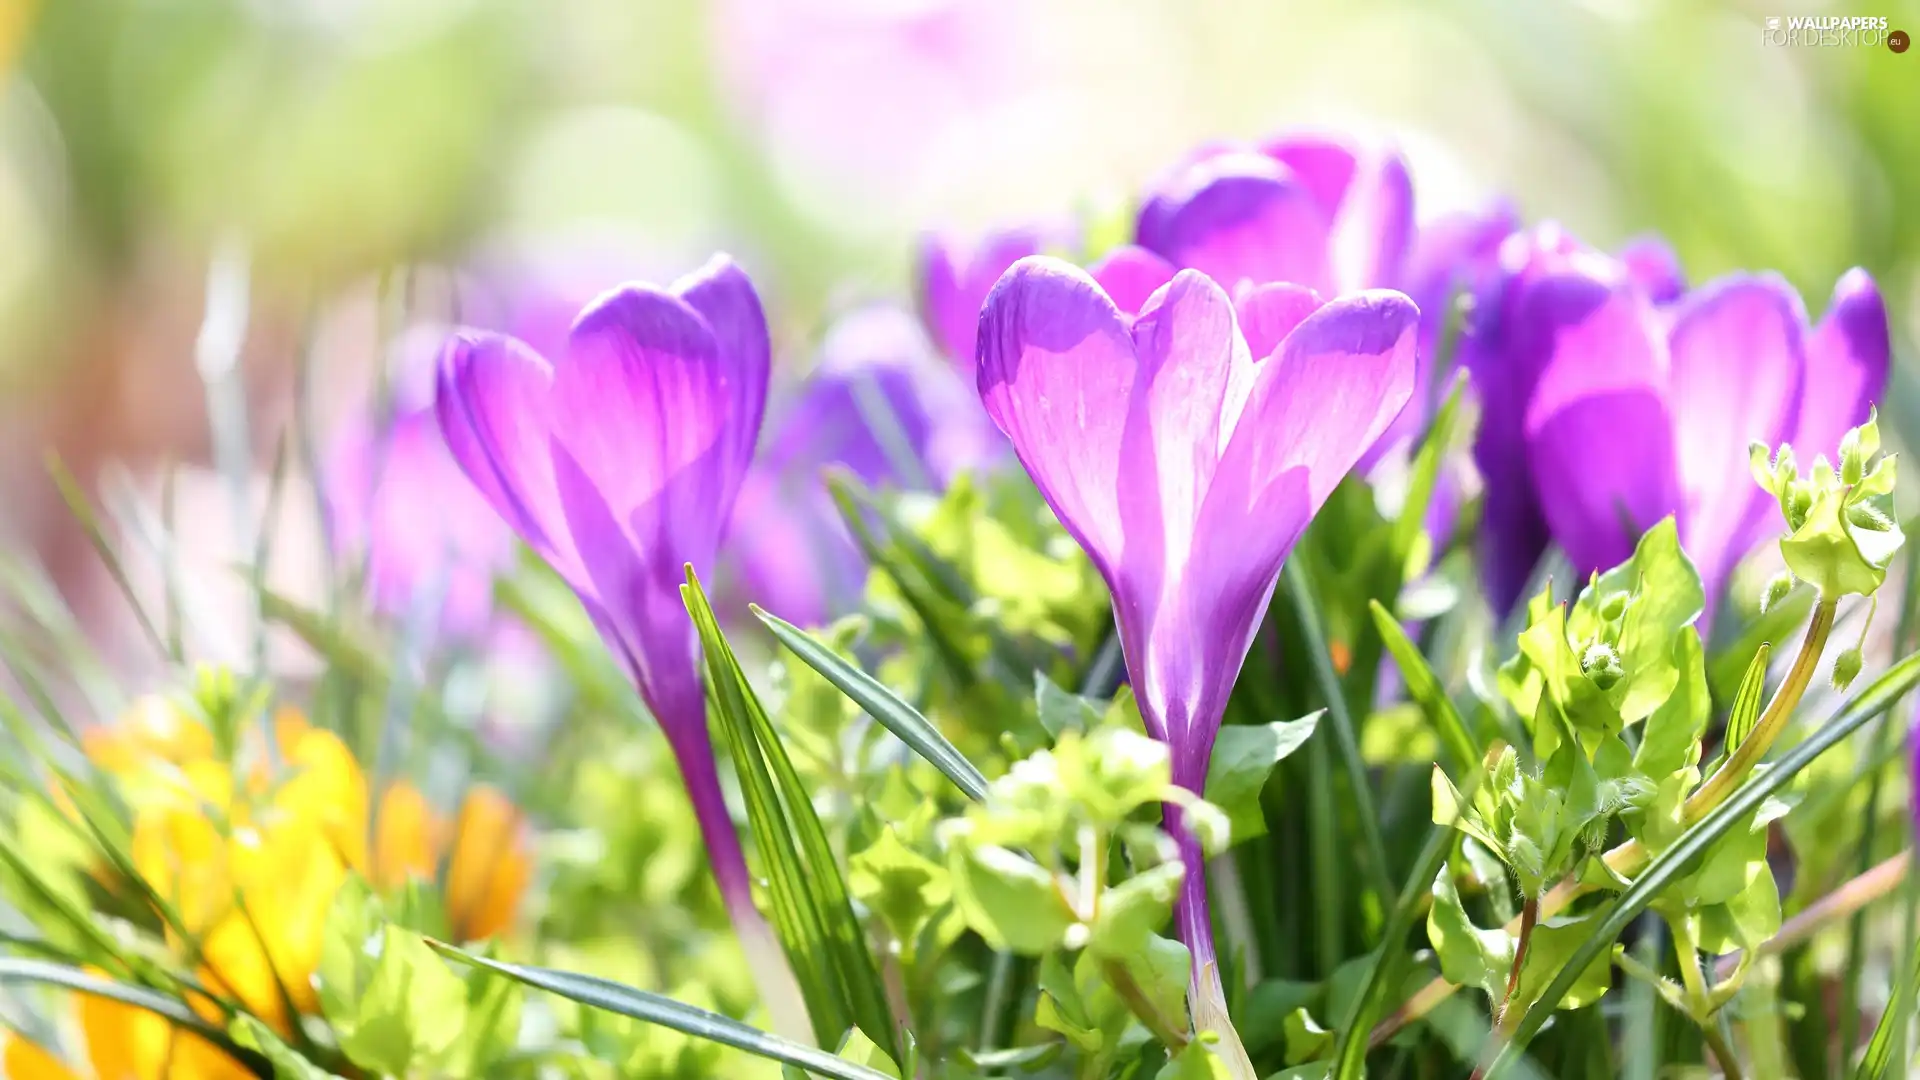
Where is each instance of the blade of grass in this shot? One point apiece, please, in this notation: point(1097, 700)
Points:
point(17, 969)
point(790, 838)
point(82, 510)
point(1463, 750)
point(881, 703)
point(1694, 843)
point(1424, 475)
point(1345, 740)
point(1882, 1049)
point(655, 1009)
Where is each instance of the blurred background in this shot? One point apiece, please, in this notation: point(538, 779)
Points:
point(208, 207)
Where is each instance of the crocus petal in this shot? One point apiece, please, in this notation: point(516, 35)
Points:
point(1057, 374)
point(1598, 433)
point(1327, 166)
point(492, 404)
point(953, 283)
point(723, 295)
point(1653, 266)
point(1268, 313)
point(1847, 359)
point(1739, 362)
point(641, 408)
point(1130, 275)
point(1239, 217)
point(1335, 385)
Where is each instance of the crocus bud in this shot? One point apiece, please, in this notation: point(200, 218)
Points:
point(1602, 664)
point(1845, 667)
point(1796, 504)
point(1777, 589)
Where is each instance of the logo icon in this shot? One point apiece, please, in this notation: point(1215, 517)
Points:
point(1898, 41)
point(1773, 22)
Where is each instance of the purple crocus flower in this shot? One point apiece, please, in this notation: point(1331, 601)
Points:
point(395, 495)
point(1186, 449)
point(619, 462)
point(953, 280)
point(1614, 397)
point(877, 405)
point(1305, 209)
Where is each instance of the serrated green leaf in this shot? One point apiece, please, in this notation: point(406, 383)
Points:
point(1670, 738)
point(1008, 899)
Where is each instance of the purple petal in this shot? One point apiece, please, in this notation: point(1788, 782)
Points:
point(1653, 266)
point(1847, 359)
point(1334, 386)
point(1130, 275)
point(1327, 166)
point(1057, 374)
point(1239, 217)
point(422, 525)
point(494, 408)
point(1739, 363)
point(724, 296)
point(953, 283)
point(1598, 434)
point(1268, 313)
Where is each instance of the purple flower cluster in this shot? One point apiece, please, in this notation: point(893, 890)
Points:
point(1185, 405)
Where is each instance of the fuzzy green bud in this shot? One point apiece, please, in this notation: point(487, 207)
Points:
point(1846, 667)
point(1778, 586)
point(1865, 516)
point(1613, 607)
point(1853, 461)
point(1601, 663)
point(1797, 503)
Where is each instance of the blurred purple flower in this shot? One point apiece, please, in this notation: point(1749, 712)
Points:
point(404, 503)
point(877, 405)
point(618, 461)
point(1613, 397)
point(953, 279)
point(1309, 210)
point(1186, 450)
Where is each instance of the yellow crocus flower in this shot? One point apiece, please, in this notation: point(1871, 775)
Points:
point(489, 867)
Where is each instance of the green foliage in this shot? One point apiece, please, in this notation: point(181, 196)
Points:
point(1844, 537)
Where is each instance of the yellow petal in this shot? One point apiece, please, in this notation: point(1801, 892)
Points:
point(124, 1043)
point(407, 837)
point(183, 856)
point(23, 1060)
point(152, 728)
point(326, 788)
point(490, 865)
point(288, 875)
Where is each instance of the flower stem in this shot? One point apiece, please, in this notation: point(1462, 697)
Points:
point(1529, 915)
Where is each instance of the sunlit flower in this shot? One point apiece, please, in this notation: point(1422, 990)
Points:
point(1186, 450)
point(953, 278)
point(619, 462)
point(123, 1042)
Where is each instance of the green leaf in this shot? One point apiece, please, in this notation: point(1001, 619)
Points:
point(1196, 1062)
point(899, 884)
point(410, 1010)
point(1162, 968)
point(1670, 739)
point(813, 912)
point(882, 704)
point(1008, 899)
point(1607, 923)
point(1305, 1039)
point(1061, 711)
point(1134, 911)
point(287, 1064)
point(1463, 750)
point(1423, 474)
point(1468, 955)
point(1243, 757)
point(1666, 597)
point(860, 1050)
point(492, 1028)
point(1891, 1030)
point(656, 1009)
